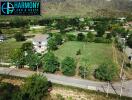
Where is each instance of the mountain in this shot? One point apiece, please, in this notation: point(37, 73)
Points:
point(87, 7)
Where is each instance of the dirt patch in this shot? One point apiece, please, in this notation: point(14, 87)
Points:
point(17, 82)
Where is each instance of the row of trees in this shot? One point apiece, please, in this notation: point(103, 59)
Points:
point(89, 37)
point(26, 56)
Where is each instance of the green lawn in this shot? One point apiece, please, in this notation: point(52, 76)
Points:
point(91, 53)
point(7, 47)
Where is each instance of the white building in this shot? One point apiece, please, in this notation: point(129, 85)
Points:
point(40, 42)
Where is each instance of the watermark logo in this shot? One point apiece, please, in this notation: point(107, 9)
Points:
point(7, 8)
point(20, 8)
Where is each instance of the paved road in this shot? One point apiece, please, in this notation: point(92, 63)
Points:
point(86, 84)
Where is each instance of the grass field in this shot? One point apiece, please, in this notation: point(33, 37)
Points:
point(91, 53)
point(7, 47)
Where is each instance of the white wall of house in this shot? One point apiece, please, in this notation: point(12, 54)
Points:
point(40, 47)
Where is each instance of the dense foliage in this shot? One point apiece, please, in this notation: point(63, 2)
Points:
point(35, 87)
point(106, 72)
point(50, 62)
point(18, 58)
point(19, 37)
point(129, 41)
point(7, 91)
point(68, 66)
point(33, 60)
point(52, 44)
point(28, 46)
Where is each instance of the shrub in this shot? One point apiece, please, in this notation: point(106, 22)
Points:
point(19, 37)
point(68, 66)
point(71, 37)
point(58, 39)
point(129, 41)
point(90, 37)
point(52, 44)
point(28, 46)
point(78, 52)
point(106, 72)
point(50, 62)
point(80, 37)
point(35, 87)
point(102, 40)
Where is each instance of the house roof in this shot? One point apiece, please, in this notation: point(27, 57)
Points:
point(40, 37)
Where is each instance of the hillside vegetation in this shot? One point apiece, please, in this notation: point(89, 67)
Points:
point(91, 8)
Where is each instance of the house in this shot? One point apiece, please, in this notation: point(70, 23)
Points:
point(40, 43)
point(2, 38)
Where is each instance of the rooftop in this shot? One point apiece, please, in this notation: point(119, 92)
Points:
point(40, 37)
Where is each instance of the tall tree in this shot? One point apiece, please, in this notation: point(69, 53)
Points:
point(33, 61)
point(36, 87)
point(17, 57)
point(68, 66)
point(106, 72)
point(50, 62)
point(52, 44)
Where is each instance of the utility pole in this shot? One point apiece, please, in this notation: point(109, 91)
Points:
point(122, 81)
point(122, 74)
point(108, 86)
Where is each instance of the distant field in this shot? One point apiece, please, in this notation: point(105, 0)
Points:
point(7, 47)
point(91, 53)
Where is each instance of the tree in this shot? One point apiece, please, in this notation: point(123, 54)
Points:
point(35, 87)
point(28, 46)
point(90, 37)
point(58, 39)
point(80, 37)
point(33, 61)
point(19, 37)
point(1, 32)
point(50, 62)
point(52, 44)
point(68, 66)
point(101, 28)
point(18, 58)
point(7, 91)
point(129, 41)
point(61, 25)
point(71, 37)
point(106, 72)
point(19, 22)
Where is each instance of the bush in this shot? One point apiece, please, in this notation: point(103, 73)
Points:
point(78, 52)
point(102, 40)
point(35, 87)
point(50, 62)
point(19, 37)
point(28, 46)
point(80, 37)
point(71, 37)
point(7, 90)
point(68, 66)
point(106, 72)
point(58, 39)
point(52, 44)
point(90, 37)
point(129, 41)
